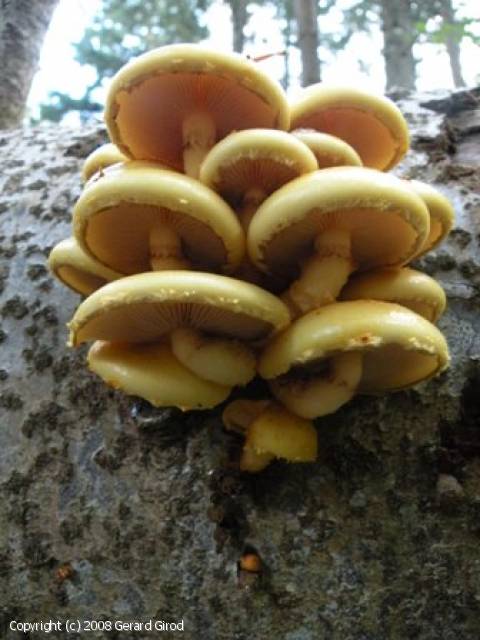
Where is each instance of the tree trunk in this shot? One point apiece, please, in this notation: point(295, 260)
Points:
point(398, 39)
point(452, 44)
point(23, 25)
point(308, 39)
point(239, 21)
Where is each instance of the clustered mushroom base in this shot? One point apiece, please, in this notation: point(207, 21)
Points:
point(212, 182)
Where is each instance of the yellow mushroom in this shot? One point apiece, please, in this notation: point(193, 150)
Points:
point(140, 217)
point(82, 273)
point(442, 215)
point(405, 286)
point(364, 346)
point(207, 319)
point(373, 125)
point(329, 150)
point(270, 432)
point(318, 229)
point(101, 158)
point(172, 104)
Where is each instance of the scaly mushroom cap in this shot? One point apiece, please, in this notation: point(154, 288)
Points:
point(148, 306)
point(115, 216)
point(373, 125)
point(152, 96)
point(387, 222)
point(262, 159)
point(100, 159)
point(152, 372)
point(78, 270)
point(399, 347)
point(442, 215)
point(329, 150)
point(405, 286)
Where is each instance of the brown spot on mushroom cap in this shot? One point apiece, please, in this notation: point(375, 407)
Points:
point(399, 347)
point(148, 306)
point(77, 270)
point(373, 125)
point(264, 159)
point(408, 287)
point(152, 372)
point(387, 222)
point(114, 217)
point(150, 98)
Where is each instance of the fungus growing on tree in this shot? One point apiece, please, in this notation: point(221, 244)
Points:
point(329, 150)
point(364, 346)
point(442, 215)
point(318, 229)
point(101, 158)
point(172, 104)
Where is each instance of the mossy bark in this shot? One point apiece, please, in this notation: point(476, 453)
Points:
point(141, 511)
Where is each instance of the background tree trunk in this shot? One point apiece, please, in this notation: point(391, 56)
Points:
point(398, 38)
point(239, 22)
point(452, 44)
point(308, 39)
point(23, 25)
point(378, 539)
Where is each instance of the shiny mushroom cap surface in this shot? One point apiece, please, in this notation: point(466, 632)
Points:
point(263, 159)
point(152, 372)
point(442, 214)
point(77, 270)
point(408, 287)
point(329, 151)
point(386, 221)
point(115, 217)
point(147, 307)
point(399, 348)
point(152, 96)
point(101, 158)
point(372, 124)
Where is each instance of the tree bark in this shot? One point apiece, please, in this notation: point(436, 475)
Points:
point(308, 39)
point(239, 21)
point(398, 39)
point(23, 25)
point(452, 44)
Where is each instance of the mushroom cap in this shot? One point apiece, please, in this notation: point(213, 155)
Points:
point(399, 347)
point(147, 306)
point(442, 214)
point(114, 217)
point(152, 372)
point(405, 286)
point(373, 125)
point(329, 150)
point(100, 158)
point(387, 221)
point(78, 270)
point(259, 158)
point(150, 97)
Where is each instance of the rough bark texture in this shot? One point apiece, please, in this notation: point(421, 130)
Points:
point(23, 25)
point(398, 38)
point(307, 39)
point(452, 44)
point(239, 21)
point(379, 539)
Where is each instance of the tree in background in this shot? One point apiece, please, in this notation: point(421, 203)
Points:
point(120, 31)
point(306, 17)
point(23, 25)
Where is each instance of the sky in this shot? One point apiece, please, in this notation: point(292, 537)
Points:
point(58, 70)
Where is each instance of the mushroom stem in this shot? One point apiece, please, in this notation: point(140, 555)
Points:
point(198, 138)
point(319, 395)
point(252, 199)
point(166, 249)
point(227, 362)
point(323, 275)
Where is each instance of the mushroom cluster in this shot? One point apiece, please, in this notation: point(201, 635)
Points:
point(225, 234)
